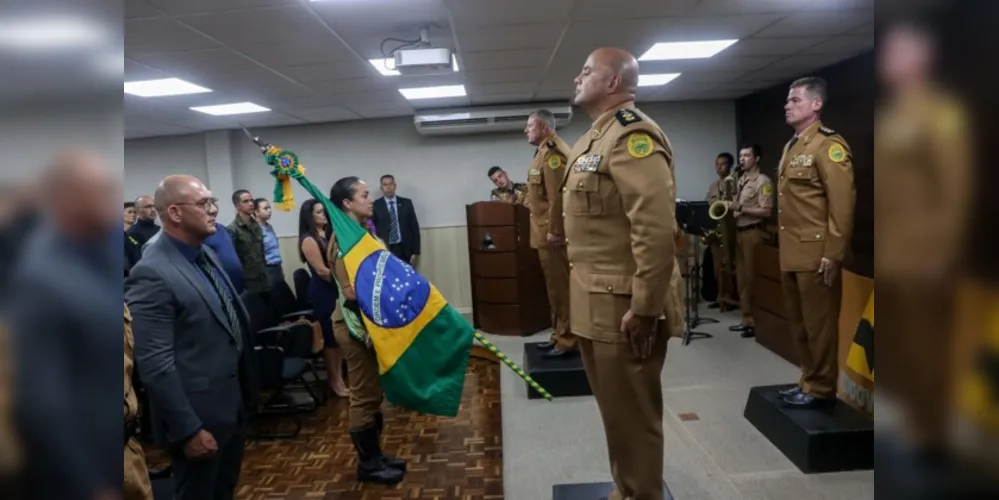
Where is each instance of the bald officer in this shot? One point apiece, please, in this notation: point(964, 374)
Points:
point(544, 177)
point(816, 198)
point(753, 205)
point(624, 283)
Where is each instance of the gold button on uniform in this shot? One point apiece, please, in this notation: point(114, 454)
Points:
point(610, 289)
point(782, 228)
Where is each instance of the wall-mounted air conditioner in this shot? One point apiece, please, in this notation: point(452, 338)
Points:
point(484, 120)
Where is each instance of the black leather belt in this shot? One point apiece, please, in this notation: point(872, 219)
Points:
point(758, 225)
point(130, 428)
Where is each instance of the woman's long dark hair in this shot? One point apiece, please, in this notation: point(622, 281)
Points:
point(307, 227)
point(344, 190)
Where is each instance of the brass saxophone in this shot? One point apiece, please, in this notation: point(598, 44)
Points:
point(724, 233)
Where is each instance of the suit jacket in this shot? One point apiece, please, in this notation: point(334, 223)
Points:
point(409, 226)
point(62, 310)
point(185, 349)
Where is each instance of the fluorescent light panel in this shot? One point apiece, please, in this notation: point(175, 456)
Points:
point(163, 87)
point(685, 50)
point(654, 80)
point(237, 108)
point(433, 92)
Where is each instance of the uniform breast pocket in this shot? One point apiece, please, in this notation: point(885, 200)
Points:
point(585, 191)
point(610, 299)
point(800, 174)
point(534, 179)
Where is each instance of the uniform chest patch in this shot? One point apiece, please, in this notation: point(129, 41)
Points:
point(554, 161)
point(639, 145)
point(802, 160)
point(587, 163)
point(534, 171)
point(837, 153)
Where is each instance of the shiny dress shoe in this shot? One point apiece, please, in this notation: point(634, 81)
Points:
point(748, 332)
point(739, 328)
point(807, 401)
point(547, 345)
point(790, 391)
point(557, 353)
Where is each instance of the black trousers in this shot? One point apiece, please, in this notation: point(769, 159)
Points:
point(401, 251)
point(214, 478)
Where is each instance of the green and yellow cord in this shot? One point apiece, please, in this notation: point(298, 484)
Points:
point(513, 366)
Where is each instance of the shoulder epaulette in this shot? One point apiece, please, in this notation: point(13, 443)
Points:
point(826, 131)
point(626, 117)
point(551, 144)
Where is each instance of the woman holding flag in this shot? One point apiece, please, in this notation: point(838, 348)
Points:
point(351, 196)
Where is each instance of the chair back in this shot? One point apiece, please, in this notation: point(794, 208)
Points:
point(283, 300)
point(261, 314)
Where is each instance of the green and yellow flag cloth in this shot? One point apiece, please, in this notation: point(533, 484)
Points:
point(422, 343)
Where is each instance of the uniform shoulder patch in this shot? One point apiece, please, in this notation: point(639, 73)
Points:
point(640, 145)
point(767, 189)
point(837, 153)
point(826, 130)
point(626, 117)
point(554, 161)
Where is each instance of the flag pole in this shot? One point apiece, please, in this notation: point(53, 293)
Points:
point(513, 366)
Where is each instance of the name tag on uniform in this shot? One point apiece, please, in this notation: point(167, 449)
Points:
point(587, 163)
point(534, 171)
point(802, 161)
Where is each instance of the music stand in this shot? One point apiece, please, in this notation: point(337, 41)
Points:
point(694, 219)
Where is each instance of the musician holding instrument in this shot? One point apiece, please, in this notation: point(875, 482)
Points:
point(753, 205)
point(722, 189)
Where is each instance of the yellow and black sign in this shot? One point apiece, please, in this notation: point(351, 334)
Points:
point(856, 385)
point(980, 387)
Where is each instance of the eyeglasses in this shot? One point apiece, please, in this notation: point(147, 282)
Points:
point(205, 204)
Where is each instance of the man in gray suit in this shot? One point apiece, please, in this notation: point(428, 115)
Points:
point(192, 348)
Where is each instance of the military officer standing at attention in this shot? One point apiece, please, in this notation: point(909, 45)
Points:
point(619, 200)
point(506, 190)
point(723, 167)
point(544, 177)
point(816, 199)
point(753, 205)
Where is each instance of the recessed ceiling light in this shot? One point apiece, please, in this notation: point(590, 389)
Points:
point(385, 66)
point(163, 87)
point(653, 80)
point(434, 92)
point(231, 109)
point(685, 50)
point(50, 33)
point(454, 63)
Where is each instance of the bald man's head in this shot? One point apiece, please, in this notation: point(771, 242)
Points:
point(187, 208)
point(609, 78)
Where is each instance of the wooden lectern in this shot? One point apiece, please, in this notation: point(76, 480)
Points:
point(508, 287)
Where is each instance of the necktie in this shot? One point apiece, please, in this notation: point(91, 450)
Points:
point(227, 305)
point(790, 143)
point(394, 236)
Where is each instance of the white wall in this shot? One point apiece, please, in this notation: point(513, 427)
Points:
point(441, 174)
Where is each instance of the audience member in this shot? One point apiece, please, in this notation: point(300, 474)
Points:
point(396, 223)
point(145, 225)
point(248, 238)
point(314, 236)
point(64, 323)
point(192, 347)
point(272, 246)
point(133, 250)
point(136, 483)
point(129, 215)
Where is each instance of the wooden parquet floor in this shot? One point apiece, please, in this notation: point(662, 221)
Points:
point(458, 458)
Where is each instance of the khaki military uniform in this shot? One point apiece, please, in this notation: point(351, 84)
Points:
point(517, 194)
point(137, 485)
point(366, 394)
point(754, 191)
point(923, 154)
point(10, 456)
point(816, 199)
point(544, 178)
point(619, 200)
point(717, 252)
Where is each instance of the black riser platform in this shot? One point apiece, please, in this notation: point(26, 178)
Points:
point(562, 377)
point(840, 439)
point(591, 491)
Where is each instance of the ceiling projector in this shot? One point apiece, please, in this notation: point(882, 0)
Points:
point(423, 62)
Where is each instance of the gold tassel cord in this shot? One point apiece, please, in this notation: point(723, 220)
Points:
point(513, 366)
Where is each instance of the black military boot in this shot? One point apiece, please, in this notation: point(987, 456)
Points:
point(371, 467)
point(393, 462)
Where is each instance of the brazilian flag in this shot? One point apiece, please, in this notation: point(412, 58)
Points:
point(421, 342)
point(857, 378)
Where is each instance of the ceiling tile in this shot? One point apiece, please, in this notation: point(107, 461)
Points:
point(634, 35)
point(717, 27)
point(135, 9)
point(818, 23)
point(523, 36)
point(808, 63)
point(135, 71)
point(501, 88)
point(730, 7)
point(470, 13)
point(840, 4)
point(505, 98)
point(346, 85)
point(330, 70)
point(848, 45)
point(504, 59)
point(295, 52)
point(773, 46)
point(198, 62)
point(604, 10)
point(323, 114)
point(554, 95)
point(450, 102)
point(152, 36)
point(260, 26)
point(504, 75)
point(176, 7)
